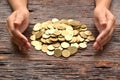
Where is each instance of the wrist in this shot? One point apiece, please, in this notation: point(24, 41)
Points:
point(103, 3)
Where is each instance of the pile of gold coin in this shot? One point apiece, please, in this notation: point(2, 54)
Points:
point(60, 37)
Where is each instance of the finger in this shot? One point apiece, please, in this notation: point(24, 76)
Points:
point(96, 46)
point(22, 40)
point(107, 38)
point(20, 36)
point(10, 23)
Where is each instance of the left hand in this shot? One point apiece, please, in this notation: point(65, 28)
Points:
point(105, 23)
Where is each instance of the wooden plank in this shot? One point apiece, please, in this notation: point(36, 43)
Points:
point(85, 65)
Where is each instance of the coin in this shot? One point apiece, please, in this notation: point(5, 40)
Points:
point(82, 34)
point(65, 44)
point(83, 26)
point(50, 47)
point(38, 47)
point(72, 50)
point(57, 52)
point(66, 53)
point(91, 38)
point(37, 27)
point(55, 20)
point(34, 43)
point(50, 53)
point(83, 45)
point(33, 37)
point(44, 48)
point(45, 36)
point(88, 33)
point(56, 45)
point(75, 45)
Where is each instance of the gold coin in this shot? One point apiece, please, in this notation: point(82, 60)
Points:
point(38, 47)
point(80, 39)
point(50, 26)
point(69, 28)
point(57, 52)
point(91, 38)
point(83, 26)
point(81, 29)
point(40, 33)
point(66, 53)
point(75, 32)
point(34, 43)
point(54, 39)
point(50, 47)
point(55, 20)
point(75, 45)
point(68, 37)
point(72, 50)
point(50, 53)
point(34, 32)
point(57, 32)
point(61, 39)
point(37, 27)
point(74, 23)
point(56, 45)
point(82, 34)
point(83, 45)
point(44, 48)
point(65, 44)
point(33, 37)
point(88, 33)
point(87, 40)
point(65, 32)
point(45, 36)
point(64, 21)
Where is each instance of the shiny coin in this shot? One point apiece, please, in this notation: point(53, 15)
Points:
point(44, 48)
point(82, 34)
point(65, 44)
point(56, 45)
point(38, 47)
point(83, 45)
point(57, 52)
point(91, 38)
point(33, 37)
point(34, 43)
point(72, 50)
point(66, 53)
point(75, 45)
point(88, 33)
point(37, 27)
point(50, 47)
point(45, 36)
point(50, 53)
point(55, 20)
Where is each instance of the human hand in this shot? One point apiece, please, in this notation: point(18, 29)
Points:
point(17, 23)
point(105, 23)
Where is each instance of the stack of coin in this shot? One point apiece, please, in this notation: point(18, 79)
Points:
point(60, 37)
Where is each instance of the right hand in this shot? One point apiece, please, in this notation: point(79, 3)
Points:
point(17, 23)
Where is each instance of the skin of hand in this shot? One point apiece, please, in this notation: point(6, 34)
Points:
point(105, 23)
point(16, 24)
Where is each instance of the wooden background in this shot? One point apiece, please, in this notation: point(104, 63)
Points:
point(85, 65)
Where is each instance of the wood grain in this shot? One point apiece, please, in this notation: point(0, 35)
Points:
point(85, 65)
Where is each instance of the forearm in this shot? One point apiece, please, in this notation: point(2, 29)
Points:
point(18, 4)
point(103, 3)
